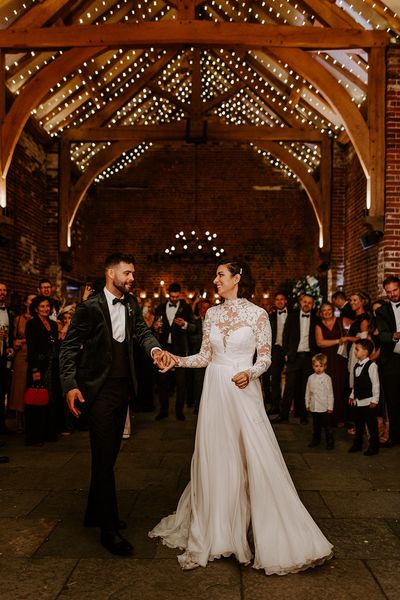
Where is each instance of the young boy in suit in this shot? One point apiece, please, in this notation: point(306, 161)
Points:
point(364, 397)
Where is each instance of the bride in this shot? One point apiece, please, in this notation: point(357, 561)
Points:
point(240, 499)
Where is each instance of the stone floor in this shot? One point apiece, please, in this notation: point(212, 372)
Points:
point(45, 553)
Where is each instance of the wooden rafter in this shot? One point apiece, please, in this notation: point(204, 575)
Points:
point(196, 33)
point(336, 95)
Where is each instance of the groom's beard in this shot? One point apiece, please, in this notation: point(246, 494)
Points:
point(124, 288)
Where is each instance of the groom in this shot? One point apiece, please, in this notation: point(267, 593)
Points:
point(97, 368)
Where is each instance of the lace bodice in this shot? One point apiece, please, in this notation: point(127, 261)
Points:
point(232, 332)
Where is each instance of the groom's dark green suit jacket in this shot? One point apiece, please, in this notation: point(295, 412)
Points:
point(86, 352)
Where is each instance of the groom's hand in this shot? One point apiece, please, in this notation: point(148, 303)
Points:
point(164, 360)
point(73, 396)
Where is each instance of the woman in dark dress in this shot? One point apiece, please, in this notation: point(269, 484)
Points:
point(328, 334)
point(43, 423)
point(359, 302)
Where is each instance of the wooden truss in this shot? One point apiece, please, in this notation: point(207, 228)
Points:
point(292, 46)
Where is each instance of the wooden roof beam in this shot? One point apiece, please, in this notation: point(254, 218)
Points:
point(174, 132)
point(194, 33)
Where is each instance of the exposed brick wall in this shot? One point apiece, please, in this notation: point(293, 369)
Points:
point(360, 265)
point(26, 256)
point(338, 219)
point(143, 208)
point(390, 256)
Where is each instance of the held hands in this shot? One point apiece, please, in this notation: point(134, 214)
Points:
point(164, 360)
point(73, 396)
point(241, 380)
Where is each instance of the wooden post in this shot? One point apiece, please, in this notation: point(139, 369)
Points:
point(3, 188)
point(325, 187)
point(376, 122)
point(65, 184)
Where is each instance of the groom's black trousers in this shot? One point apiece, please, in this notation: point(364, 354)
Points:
point(106, 419)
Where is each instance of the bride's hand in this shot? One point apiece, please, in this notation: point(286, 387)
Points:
point(165, 360)
point(241, 380)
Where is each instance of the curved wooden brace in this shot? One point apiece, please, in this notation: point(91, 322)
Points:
point(311, 187)
point(336, 95)
point(31, 95)
point(101, 161)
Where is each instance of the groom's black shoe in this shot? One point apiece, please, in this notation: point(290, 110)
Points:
point(115, 543)
point(90, 523)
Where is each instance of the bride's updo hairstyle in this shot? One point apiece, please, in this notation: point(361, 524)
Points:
point(246, 283)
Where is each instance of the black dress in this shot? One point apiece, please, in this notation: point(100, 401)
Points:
point(43, 423)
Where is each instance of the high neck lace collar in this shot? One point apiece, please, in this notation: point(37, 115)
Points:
point(234, 301)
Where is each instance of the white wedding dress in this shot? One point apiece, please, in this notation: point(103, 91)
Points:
point(240, 494)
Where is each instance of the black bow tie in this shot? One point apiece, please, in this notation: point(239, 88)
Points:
point(397, 305)
point(359, 364)
point(306, 316)
point(2, 308)
point(116, 300)
point(282, 312)
point(172, 305)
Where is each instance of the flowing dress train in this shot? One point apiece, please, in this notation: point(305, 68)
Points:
point(240, 486)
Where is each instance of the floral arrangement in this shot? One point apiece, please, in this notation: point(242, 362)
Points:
point(307, 285)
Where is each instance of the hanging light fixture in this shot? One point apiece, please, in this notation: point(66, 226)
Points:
point(196, 244)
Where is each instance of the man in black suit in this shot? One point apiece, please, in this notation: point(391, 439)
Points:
point(299, 346)
point(388, 321)
point(97, 369)
point(277, 319)
point(340, 301)
point(6, 354)
point(173, 322)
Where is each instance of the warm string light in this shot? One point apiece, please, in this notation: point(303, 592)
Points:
point(126, 159)
point(194, 243)
point(271, 88)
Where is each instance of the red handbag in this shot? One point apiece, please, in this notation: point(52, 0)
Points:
point(36, 396)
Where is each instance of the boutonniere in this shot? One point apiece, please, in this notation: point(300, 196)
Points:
point(130, 311)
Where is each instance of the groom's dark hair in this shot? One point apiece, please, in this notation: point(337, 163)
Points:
point(118, 257)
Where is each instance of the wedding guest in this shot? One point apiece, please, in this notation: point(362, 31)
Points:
point(328, 334)
point(196, 376)
point(319, 401)
point(43, 422)
point(277, 319)
point(364, 397)
point(20, 366)
point(6, 354)
point(45, 288)
point(388, 321)
point(383, 419)
point(340, 301)
point(359, 302)
point(65, 319)
point(146, 370)
point(177, 320)
point(299, 346)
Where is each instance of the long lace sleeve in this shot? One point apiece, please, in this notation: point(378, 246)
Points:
point(262, 330)
point(204, 356)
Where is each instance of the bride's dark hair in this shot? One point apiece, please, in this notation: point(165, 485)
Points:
point(246, 283)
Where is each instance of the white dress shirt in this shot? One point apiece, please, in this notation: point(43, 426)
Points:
point(304, 343)
point(396, 310)
point(280, 323)
point(117, 315)
point(374, 377)
point(319, 393)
